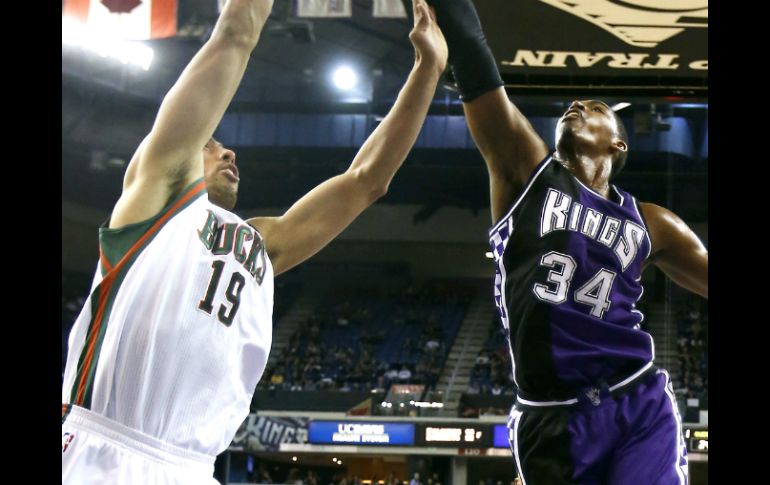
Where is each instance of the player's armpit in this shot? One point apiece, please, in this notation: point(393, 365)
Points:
point(676, 249)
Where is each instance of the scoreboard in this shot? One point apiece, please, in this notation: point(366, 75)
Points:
point(360, 433)
point(697, 440)
point(454, 435)
point(464, 436)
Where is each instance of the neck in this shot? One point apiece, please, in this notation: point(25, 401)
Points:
point(592, 171)
point(222, 202)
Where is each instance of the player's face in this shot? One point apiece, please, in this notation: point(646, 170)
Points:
point(221, 174)
point(588, 123)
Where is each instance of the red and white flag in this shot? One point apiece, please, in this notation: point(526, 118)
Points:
point(126, 19)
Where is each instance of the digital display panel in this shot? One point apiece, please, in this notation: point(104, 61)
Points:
point(360, 433)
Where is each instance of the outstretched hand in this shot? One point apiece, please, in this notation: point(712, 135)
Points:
point(426, 37)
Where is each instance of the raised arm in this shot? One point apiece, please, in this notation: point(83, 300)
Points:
point(676, 250)
point(505, 138)
point(318, 217)
point(170, 156)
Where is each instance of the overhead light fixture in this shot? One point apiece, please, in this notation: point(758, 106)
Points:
point(74, 33)
point(617, 107)
point(344, 78)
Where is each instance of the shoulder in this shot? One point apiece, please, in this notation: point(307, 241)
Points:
point(662, 224)
point(659, 218)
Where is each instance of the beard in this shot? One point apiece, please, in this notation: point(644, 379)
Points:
point(224, 195)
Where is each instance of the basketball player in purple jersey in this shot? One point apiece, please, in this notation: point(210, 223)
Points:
point(569, 249)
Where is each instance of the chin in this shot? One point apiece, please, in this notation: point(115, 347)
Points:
point(225, 201)
point(566, 136)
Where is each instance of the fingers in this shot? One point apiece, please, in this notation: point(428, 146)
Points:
point(421, 14)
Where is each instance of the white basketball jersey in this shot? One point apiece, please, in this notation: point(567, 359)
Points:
point(176, 332)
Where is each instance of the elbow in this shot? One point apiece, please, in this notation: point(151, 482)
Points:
point(240, 30)
point(370, 186)
point(377, 192)
point(230, 35)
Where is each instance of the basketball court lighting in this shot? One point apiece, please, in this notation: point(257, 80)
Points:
point(620, 106)
point(344, 78)
point(73, 33)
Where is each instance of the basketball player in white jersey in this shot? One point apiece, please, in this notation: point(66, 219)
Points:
point(165, 355)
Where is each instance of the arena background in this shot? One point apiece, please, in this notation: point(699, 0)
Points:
point(392, 324)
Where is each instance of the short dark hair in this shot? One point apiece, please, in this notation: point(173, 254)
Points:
point(620, 157)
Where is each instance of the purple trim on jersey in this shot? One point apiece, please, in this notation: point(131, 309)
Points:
point(498, 242)
point(585, 347)
point(638, 210)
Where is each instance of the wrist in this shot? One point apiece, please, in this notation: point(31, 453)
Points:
point(429, 66)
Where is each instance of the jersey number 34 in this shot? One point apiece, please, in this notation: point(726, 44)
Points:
point(595, 293)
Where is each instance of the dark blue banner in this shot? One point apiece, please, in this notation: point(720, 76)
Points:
point(360, 433)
